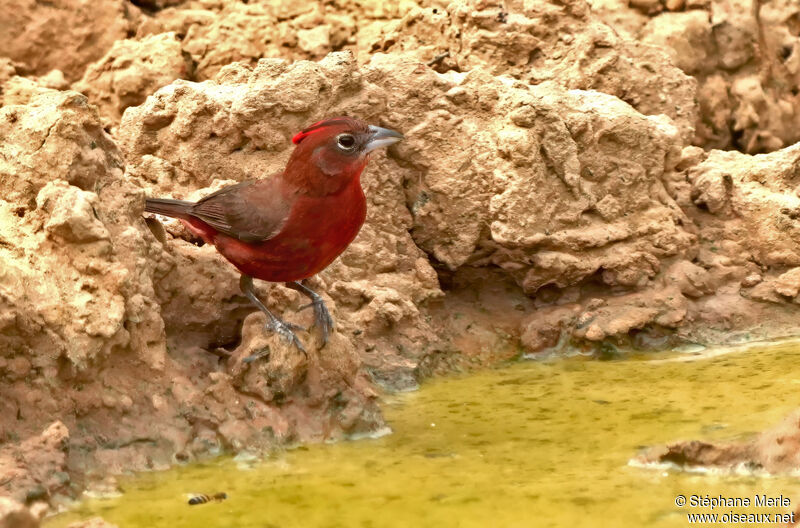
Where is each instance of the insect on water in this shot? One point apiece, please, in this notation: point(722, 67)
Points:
point(202, 499)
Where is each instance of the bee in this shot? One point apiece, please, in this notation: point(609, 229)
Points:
point(202, 499)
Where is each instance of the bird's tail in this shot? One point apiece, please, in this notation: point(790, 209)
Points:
point(168, 207)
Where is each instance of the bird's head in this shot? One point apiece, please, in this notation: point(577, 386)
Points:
point(330, 153)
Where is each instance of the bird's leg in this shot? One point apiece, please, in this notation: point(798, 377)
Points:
point(282, 328)
point(322, 317)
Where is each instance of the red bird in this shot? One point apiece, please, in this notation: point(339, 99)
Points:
point(292, 225)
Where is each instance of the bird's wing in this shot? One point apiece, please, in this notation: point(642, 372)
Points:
point(252, 211)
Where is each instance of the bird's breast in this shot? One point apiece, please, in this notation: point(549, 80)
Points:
point(318, 230)
point(325, 224)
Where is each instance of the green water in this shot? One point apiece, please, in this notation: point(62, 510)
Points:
point(532, 444)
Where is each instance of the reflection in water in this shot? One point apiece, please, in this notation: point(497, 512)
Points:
point(533, 444)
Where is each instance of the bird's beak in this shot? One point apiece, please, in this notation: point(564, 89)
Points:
point(382, 137)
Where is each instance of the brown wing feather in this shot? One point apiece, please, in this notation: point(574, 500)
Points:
point(252, 211)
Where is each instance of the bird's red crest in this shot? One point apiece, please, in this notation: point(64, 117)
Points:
point(300, 136)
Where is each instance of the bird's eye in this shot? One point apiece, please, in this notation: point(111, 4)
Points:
point(346, 142)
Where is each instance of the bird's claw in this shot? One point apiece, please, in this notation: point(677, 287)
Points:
point(322, 317)
point(282, 328)
point(290, 326)
point(286, 331)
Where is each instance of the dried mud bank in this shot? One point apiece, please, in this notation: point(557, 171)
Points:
point(773, 452)
point(548, 196)
point(776, 451)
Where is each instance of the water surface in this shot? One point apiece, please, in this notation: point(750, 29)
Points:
point(537, 443)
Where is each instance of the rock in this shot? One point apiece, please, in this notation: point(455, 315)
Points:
point(56, 132)
point(735, 33)
point(251, 31)
point(759, 213)
point(695, 454)
point(66, 35)
point(751, 280)
point(688, 38)
point(564, 244)
point(544, 330)
point(675, 5)
point(17, 90)
point(765, 292)
point(8, 69)
point(745, 68)
point(776, 451)
point(281, 368)
point(283, 376)
point(627, 315)
point(72, 215)
point(788, 284)
point(132, 70)
point(20, 90)
point(315, 41)
point(649, 7)
point(746, 227)
point(35, 469)
point(621, 16)
point(87, 301)
point(545, 40)
point(54, 79)
point(15, 515)
point(691, 280)
point(713, 129)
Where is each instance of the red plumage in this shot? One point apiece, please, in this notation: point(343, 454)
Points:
point(307, 244)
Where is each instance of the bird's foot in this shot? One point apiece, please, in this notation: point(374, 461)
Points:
point(282, 328)
point(322, 317)
point(286, 331)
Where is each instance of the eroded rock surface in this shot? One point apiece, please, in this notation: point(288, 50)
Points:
point(36, 469)
point(66, 34)
point(745, 56)
point(541, 41)
point(132, 70)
